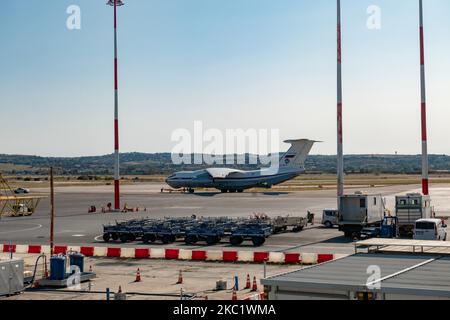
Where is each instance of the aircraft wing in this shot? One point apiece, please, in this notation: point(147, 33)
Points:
point(222, 173)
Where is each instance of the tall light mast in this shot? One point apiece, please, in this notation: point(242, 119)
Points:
point(340, 151)
point(425, 187)
point(115, 4)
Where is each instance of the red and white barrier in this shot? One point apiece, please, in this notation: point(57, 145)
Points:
point(177, 254)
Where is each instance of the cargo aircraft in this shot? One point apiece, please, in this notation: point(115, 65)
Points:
point(291, 164)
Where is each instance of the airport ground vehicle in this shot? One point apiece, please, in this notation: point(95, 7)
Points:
point(281, 223)
point(209, 231)
point(192, 230)
point(330, 218)
point(359, 211)
point(256, 231)
point(15, 205)
point(387, 229)
point(21, 191)
point(110, 233)
point(430, 229)
point(165, 232)
point(409, 208)
point(22, 209)
point(125, 231)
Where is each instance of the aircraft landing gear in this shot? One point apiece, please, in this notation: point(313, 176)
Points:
point(190, 190)
point(232, 190)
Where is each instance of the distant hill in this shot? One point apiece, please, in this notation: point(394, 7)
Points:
point(161, 163)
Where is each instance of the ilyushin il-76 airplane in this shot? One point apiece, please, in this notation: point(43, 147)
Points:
point(291, 165)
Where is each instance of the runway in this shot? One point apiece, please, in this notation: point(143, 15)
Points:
point(74, 225)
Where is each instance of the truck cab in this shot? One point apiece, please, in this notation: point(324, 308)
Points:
point(330, 218)
point(430, 229)
point(388, 229)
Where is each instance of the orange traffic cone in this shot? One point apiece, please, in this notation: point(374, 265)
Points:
point(255, 285)
point(248, 284)
point(180, 278)
point(234, 296)
point(138, 276)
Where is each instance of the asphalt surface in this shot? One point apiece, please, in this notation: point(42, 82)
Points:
point(75, 226)
point(158, 280)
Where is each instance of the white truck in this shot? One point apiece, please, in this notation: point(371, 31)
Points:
point(359, 211)
point(330, 218)
point(409, 208)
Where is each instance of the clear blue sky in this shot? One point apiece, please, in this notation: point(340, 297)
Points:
point(230, 63)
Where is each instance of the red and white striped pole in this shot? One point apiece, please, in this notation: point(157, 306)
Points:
point(425, 188)
point(340, 151)
point(116, 3)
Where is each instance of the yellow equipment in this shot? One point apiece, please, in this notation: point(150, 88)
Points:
point(13, 205)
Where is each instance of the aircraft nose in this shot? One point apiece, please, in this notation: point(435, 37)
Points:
point(169, 182)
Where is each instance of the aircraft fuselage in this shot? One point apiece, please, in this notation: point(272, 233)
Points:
point(238, 181)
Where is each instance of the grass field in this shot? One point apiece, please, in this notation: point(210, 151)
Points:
point(9, 167)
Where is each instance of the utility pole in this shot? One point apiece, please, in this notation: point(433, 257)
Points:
point(52, 212)
point(115, 4)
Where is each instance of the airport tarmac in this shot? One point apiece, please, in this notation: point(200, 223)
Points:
point(75, 226)
point(158, 280)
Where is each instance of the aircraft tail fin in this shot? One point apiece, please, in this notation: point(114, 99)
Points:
point(297, 153)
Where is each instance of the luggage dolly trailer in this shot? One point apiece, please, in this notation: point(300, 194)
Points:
point(130, 232)
point(257, 232)
point(166, 232)
point(281, 224)
point(114, 232)
point(209, 232)
point(133, 230)
point(110, 232)
point(125, 231)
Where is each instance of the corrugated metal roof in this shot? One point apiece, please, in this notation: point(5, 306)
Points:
point(397, 271)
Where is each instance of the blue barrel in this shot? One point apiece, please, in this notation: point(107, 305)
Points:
point(77, 259)
point(57, 268)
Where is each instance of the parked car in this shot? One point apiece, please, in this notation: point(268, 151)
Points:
point(330, 218)
point(21, 191)
point(430, 229)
